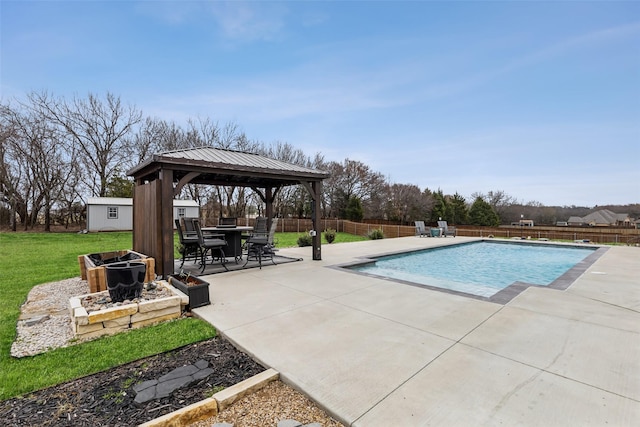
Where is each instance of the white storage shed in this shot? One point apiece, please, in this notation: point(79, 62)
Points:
point(116, 214)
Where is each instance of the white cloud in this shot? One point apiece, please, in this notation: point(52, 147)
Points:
point(249, 21)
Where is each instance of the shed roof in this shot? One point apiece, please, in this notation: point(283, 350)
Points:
point(226, 167)
point(127, 201)
point(113, 201)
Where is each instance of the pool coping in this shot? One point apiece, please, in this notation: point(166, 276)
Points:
point(504, 295)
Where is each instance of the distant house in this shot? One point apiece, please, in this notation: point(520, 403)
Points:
point(602, 218)
point(606, 218)
point(116, 214)
point(575, 221)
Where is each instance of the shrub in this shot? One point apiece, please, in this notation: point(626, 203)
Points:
point(376, 234)
point(305, 240)
point(330, 235)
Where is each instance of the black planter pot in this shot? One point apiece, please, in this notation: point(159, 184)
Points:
point(125, 280)
point(197, 290)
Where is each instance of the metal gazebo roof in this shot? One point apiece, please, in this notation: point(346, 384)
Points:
point(227, 167)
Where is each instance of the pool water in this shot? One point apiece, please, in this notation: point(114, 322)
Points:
point(480, 268)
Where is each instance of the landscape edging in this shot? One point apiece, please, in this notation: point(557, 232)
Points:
point(211, 406)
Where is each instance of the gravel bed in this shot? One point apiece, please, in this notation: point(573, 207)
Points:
point(276, 402)
point(49, 301)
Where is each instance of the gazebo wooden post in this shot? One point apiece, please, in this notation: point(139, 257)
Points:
point(268, 195)
point(166, 219)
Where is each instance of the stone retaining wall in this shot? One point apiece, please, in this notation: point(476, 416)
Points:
point(129, 316)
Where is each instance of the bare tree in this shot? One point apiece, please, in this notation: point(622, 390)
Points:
point(10, 174)
point(291, 200)
point(149, 138)
point(37, 148)
point(498, 200)
point(99, 128)
point(407, 203)
point(354, 179)
point(218, 201)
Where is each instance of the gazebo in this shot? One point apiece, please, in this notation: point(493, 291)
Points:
point(159, 179)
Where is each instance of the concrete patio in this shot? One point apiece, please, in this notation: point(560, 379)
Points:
point(373, 352)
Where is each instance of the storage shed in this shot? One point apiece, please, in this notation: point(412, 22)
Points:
point(116, 213)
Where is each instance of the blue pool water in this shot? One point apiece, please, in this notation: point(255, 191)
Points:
point(482, 268)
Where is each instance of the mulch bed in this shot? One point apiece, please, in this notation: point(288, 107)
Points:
point(107, 398)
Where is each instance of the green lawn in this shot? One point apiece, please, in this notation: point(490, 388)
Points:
point(29, 259)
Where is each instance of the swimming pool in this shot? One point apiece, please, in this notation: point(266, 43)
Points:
point(486, 268)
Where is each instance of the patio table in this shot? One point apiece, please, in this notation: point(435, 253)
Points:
point(233, 236)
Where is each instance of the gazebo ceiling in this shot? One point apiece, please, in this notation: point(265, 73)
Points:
point(215, 166)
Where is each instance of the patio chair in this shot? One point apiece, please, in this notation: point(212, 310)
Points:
point(421, 229)
point(272, 232)
point(188, 241)
point(257, 244)
point(208, 244)
point(446, 229)
point(260, 227)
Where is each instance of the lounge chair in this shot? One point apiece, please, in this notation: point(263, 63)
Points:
point(446, 229)
point(421, 229)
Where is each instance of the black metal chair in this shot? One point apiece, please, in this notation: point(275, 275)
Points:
point(208, 244)
point(258, 245)
point(188, 240)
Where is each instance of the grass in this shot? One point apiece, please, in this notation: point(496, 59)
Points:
point(29, 259)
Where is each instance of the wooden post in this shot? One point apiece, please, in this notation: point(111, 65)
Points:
point(268, 195)
point(166, 266)
point(316, 186)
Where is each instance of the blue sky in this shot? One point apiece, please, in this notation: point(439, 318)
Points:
point(537, 99)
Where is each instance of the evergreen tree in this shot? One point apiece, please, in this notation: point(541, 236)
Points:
point(354, 211)
point(459, 214)
point(119, 186)
point(440, 207)
point(481, 213)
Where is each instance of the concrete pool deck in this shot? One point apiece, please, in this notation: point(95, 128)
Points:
point(373, 352)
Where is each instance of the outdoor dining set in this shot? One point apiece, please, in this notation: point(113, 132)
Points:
point(225, 241)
